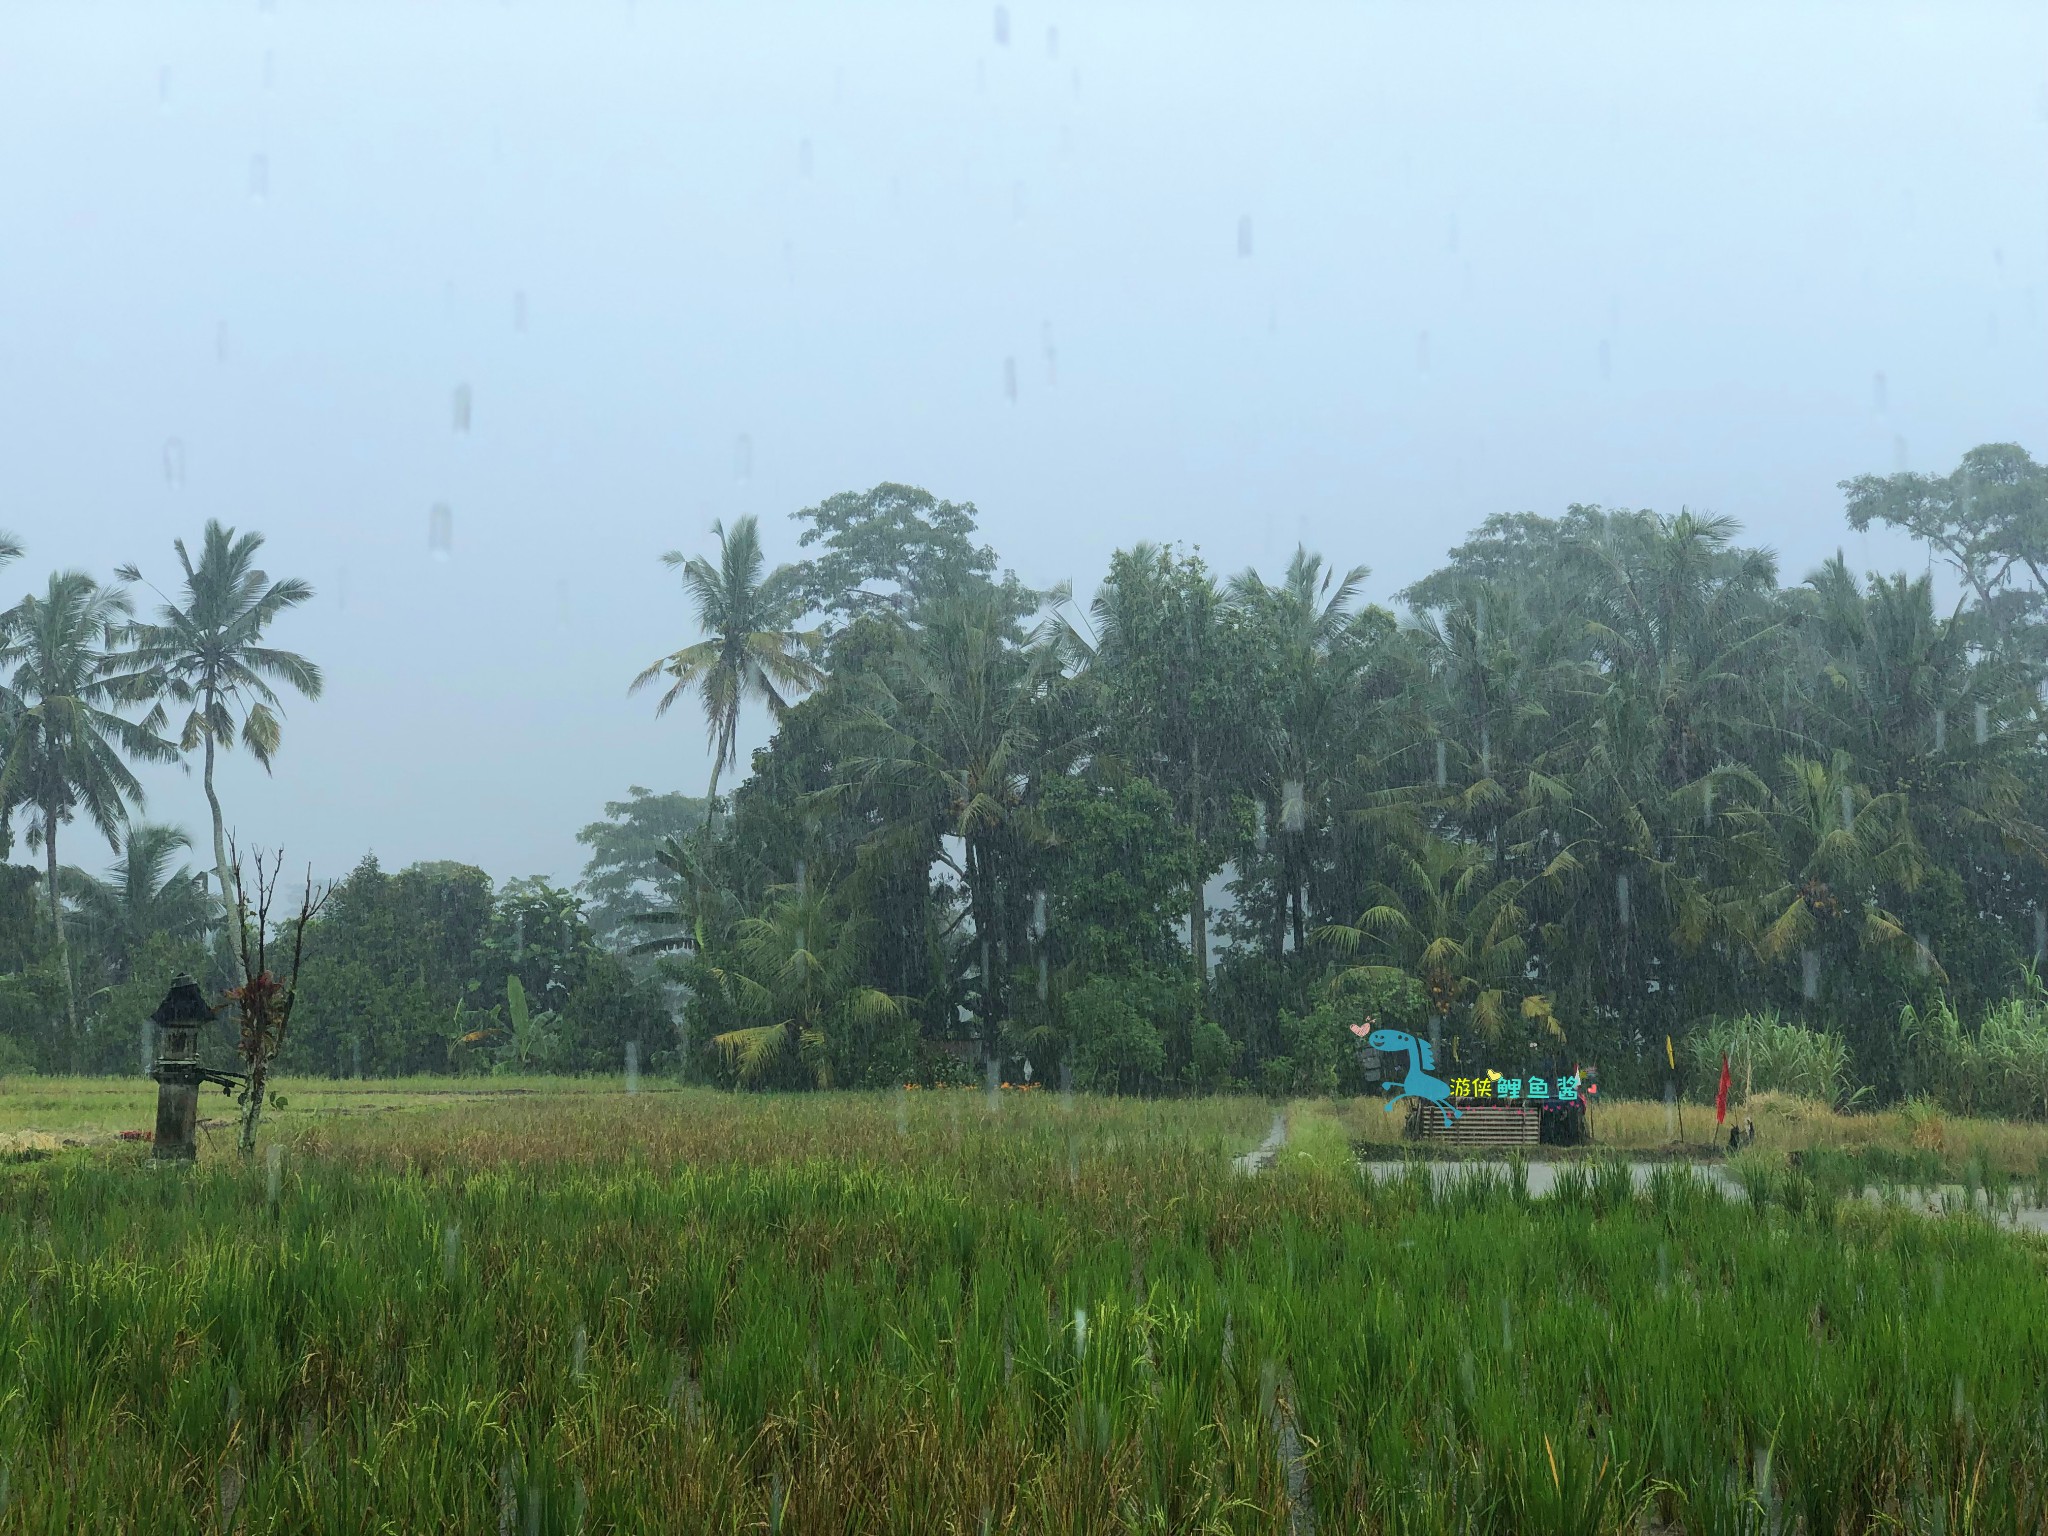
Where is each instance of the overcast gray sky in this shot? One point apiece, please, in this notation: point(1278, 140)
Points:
point(1357, 274)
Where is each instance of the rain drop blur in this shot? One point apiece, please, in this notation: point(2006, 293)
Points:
point(440, 539)
point(459, 407)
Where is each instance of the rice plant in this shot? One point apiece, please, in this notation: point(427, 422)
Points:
point(900, 1314)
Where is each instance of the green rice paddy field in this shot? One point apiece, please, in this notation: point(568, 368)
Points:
point(937, 1312)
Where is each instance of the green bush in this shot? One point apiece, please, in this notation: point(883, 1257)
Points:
point(1116, 1047)
point(1210, 1053)
point(1315, 1052)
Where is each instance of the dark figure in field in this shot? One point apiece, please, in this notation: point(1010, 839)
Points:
point(1734, 1137)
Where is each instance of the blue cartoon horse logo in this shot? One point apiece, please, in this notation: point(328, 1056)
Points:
point(1418, 1084)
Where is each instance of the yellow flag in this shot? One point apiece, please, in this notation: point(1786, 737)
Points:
point(1668, 1057)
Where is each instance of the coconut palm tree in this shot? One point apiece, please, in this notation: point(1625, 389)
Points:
point(1845, 849)
point(207, 654)
point(798, 968)
point(66, 753)
point(1446, 921)
point(751, 648)
point(1311, 632)
point(958, 729)
point(142, 897)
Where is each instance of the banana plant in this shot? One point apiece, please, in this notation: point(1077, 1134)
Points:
point(530, 1037)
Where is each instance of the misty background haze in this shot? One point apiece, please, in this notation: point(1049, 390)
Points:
point(591, 276)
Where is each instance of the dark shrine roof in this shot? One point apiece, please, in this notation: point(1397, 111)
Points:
point(183, 1004)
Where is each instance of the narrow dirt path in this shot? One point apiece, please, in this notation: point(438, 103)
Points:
point(1263, 1154)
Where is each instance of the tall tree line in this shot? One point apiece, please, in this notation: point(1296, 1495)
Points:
point(1603, 778)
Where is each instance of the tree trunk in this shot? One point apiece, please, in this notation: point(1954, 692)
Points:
point(981, 905)
point(220, 837)
point(1280, 870)
point(1198, 907)
point(57, 926)
point(1297, 903)
point(711, 796)
point(252, 1106)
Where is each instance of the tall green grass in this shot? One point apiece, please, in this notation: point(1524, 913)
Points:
point(915, 1313)
point(1998, 1068)
point(1768, 1054)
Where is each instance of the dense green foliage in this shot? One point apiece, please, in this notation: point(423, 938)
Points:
point(849, 1314)
point(417, 971)
point(1603, 781)
point(1606, 781)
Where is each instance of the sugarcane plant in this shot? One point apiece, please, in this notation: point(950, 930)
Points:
point(263, 1002)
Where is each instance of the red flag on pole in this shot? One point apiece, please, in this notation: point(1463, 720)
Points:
point(1721, 1098)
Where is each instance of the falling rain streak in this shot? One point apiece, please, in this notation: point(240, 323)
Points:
point(459, 407)
point(440, 535)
